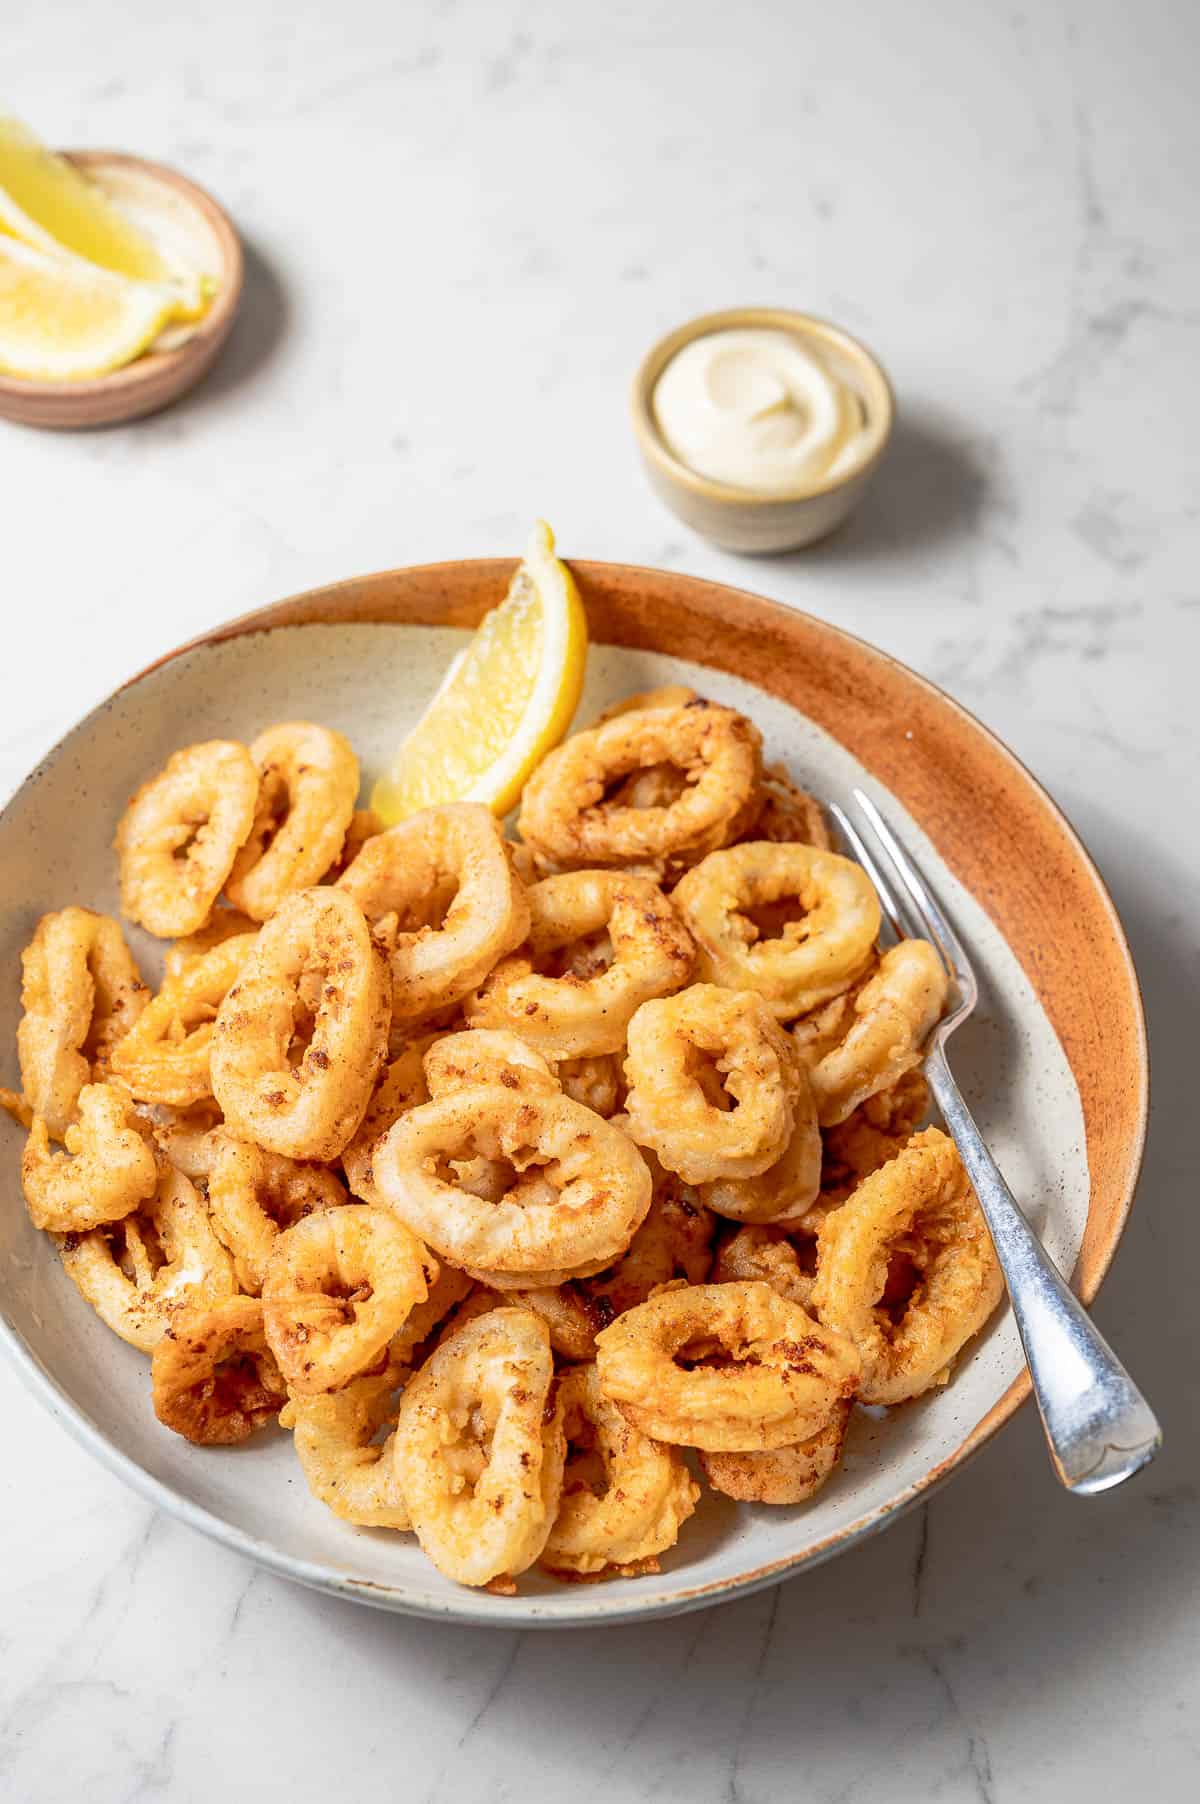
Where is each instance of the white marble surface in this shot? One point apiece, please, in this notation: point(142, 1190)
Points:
point(464, 223)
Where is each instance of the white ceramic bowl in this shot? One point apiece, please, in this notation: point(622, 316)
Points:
point(371, 679)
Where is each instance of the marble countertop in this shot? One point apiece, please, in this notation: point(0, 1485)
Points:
point(463, 225)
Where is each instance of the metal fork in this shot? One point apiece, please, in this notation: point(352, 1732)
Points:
point(1100, 1428)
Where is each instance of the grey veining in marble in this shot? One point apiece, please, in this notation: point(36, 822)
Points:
point(464, 223)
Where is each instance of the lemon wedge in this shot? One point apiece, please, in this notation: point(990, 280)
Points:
point(506, 700)
point(46, 202)
point(63, 320)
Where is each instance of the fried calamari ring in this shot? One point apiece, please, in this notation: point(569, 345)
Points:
point(571, 1321)
point(919, 1208)
point(317, 946)
point(566, 817)
point(794, 963)
point(137, 1272)
point(728, 1367)
point(215, 1380)
point(107, 1171)
point(446, 1292)
point(443, 901)
point(223, 924)
point(674, 1242)
point(80, 992)
point(186, 1138)
point(894, 1015)
point(254, 1195)
point(572, 1190)
point(569, 1011)
point(574, 1312)
point(307, 784)
point(479, 1300)
point(540, 1278)
point(786, 1190)
point(713, 1083)
point(523, 862)
point(402, 1034)
point(484, 1055)
point(561, 1307)
point(785, 1475)
point(765, 1255)
point(874, 1133)
point(15, 1106)
point(789, 814)
point(480, 1448)
point(597, 1082)
point(180, 834)
point(827, 1025)
point(165, 1056)
point(666, 695)
point(364, 825)
point(339, 1284)
point(346, 1466)
point(402, 1087)
point(624, 1497)
point(658, 785)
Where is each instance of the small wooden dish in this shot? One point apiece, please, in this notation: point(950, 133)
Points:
point(158, 377)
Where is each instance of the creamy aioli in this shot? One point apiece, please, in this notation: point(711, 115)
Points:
point(754, 408)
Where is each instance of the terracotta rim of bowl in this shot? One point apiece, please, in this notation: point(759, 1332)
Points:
point(876, 395)
point(861, 694)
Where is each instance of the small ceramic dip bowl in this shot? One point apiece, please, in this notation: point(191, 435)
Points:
point(738, 518)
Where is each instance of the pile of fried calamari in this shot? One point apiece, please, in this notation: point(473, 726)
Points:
point(501, 1171)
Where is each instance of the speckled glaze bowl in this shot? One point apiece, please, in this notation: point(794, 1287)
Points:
point(736, 518)
point(1054, 1063)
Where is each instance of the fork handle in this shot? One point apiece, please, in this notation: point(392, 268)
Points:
point(1100, 1428)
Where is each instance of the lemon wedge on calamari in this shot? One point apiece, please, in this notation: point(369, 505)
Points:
point(507, 699)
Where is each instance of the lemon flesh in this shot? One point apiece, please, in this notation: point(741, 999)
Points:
point(506, 700)
point(64, 320)
point(46, 202)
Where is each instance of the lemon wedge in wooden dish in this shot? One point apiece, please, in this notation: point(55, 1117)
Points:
point(506, 700)
point(46, 202)
point(65, 320)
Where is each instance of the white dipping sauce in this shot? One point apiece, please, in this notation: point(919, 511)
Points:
point(755, 408)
